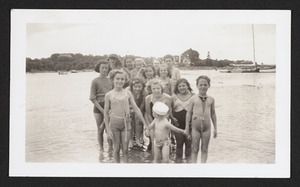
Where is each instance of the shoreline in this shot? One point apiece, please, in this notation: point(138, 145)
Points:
point(192, 68)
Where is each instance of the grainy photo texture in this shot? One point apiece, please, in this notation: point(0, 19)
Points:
point(151, 89)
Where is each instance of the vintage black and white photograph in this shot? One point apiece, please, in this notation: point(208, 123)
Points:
point(183, 93)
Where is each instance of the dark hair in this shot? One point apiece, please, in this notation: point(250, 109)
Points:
point(203, 77)
point(113, 73)
point(168, 56)
point(118, 62)
point(130, 57)
point(182, 80)
point(144, 72)
point(169, 72)
point(136, 80)
point(96, 68)
point(151, 82)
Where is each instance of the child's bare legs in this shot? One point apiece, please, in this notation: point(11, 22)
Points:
point(100, 129)
point(188, 149)
point(166, 153)
point(204, 145)
point(125, 137)
point(196, 135)
point(138, 131)
point(157, 153)
point(179, 147)
point(132, 131)
point(116, 143)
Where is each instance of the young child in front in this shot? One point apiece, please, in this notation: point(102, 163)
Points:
point(201, 111)
point(118, 121)
point(162, 129)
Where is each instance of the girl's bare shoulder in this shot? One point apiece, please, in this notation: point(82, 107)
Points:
point(167, 96)
point(210, 98)
point(147, 98)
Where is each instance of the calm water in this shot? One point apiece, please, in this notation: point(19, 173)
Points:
point(60, 125)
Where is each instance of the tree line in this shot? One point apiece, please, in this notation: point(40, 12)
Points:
point(77, 61)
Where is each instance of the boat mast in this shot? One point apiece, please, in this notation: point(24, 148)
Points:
point(253, 46)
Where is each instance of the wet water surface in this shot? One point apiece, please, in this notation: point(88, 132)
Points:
point(60, 125)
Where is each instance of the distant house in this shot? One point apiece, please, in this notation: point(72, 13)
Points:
point(186, 61)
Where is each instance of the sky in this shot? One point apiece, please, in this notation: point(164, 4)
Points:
point(152, 38)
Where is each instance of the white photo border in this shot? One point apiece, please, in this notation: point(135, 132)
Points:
point(18, 166)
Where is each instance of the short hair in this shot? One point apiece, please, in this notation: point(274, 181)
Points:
point(147, 66)
point(140, 60)
point(169, 72)
point(155, 60)
point(169, 56)
point(114, 56)
point(113, 73)
point(203, 77)
point(137, 80)
point(96, 68)
point(182, 80)
point(151, 82)
point(130, 57)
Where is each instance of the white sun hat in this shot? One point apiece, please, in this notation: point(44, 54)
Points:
point(160, 108)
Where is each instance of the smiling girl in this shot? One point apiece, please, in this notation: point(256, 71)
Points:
point(137, 88)
point(180, 101)
point(200, 111)
point(166, 82)
point(118, 120)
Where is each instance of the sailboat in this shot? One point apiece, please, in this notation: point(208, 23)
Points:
point(253, 68)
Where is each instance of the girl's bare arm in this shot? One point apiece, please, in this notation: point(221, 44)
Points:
point(175, 129)
point(189, 114)
point(151, 125)
point(148, 116)
point(214, 117)
point(93, 97)
point(106, 113)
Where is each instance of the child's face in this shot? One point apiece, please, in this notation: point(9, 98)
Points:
point(202, 86)
point(169, 61)
point(138, 65)
point(154, 114)
point(112, 62)
point(129, 63)
point(103, 69)
point(149, 72)
point(156, 89)
point(119, 80)
point(163, 71)
point(156, 63)
point(182, 88)
point(137, 88)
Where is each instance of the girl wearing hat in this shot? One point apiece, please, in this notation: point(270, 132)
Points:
point(118, 120)
point(161, 133)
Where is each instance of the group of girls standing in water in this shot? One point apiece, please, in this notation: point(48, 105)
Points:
point(124, 97)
